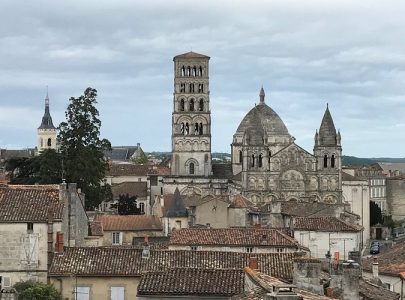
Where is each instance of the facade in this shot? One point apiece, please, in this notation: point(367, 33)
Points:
point(396, 197)
point(31, 218)
point(46, 134)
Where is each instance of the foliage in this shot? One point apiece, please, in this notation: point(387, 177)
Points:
point(375, 214)
point(143, 159)
point(81, 147)
point(30, 290)
point(389, 222)
point(43, 169)
point(127, 205)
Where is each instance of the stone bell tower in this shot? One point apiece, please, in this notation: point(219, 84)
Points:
point(191, 118)
point(46, 131)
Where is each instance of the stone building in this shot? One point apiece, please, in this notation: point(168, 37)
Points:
point(46, 131)
point(266, 163)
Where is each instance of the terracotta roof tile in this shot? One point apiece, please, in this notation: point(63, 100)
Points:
point(125, 261)
point(139, 189)
point(323, 224)
point(136, 170)
point(371, 291)
point(192, 281)
point(30, 203)
point(129, 222)
point(232, 237)
point(241, 202)
point(390, 262)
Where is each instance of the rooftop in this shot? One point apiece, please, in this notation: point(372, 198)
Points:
point(391, 262)
point(327, 224)
point(131, 188)
point(136, 170)
point(129, 223)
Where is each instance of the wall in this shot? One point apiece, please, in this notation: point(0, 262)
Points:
point(170, 223)
point(396, 198)
point(318, 242)
point(214, 212)
point(127, 236)
point(237, 217)
point(356, 193)
point(99, 286)
point(14, 246)
point(129, 178)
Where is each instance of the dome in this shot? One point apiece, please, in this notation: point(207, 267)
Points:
point(262, 118)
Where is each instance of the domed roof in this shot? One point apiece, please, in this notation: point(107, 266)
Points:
point(262, 118)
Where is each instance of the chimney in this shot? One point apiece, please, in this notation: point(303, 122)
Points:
point(59, 242)
point(375, 268)
point(350, 281)
point(306, 274)
point(253, 263)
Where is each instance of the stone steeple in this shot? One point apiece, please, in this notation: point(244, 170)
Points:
point(327, 132)
point(46, 119)
point(46, 133)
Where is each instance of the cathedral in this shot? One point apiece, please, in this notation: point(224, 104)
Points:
point(266, 164)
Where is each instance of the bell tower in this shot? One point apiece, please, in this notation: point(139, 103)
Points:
point(46, 131)
point(191, 118)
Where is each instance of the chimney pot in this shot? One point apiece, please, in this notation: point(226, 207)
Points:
point(375, 268)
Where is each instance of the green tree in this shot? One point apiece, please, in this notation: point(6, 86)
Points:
point(30, 290)
point(375, 214)
point(127, 205)
point(81, 146)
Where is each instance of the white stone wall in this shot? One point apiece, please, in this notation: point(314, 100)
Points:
point(320, 242)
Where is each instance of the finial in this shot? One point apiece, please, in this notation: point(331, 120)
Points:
point(47, 97)
point(327, 105)
point(261, 95)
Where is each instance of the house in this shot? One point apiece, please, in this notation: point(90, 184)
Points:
point(124, 153)
point(327, 235)
point(34, 221)
point(388, 268)
point(250, 240)
point(122, 229)
point(114, 273)
point(130, 189)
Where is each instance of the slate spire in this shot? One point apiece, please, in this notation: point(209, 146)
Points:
point(177, 207)
point(46, 119)
point(327, 132)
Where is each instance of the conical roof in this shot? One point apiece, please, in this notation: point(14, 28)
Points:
point(177, 208)
point(262, 118)
point(327, 131)
point(46, 119)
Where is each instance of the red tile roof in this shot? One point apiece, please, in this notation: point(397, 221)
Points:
point(192, 281)
point(241, 202)
point(25, 203)
point(125, 261)
point(136, 170)
point(390, 262)
point(139, 189)
point(327, 224)
point(232, 237)
point(129, 222)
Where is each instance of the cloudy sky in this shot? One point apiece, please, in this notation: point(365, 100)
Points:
point(350, 54)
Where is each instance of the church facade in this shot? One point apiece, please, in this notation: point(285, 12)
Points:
point(266, 164)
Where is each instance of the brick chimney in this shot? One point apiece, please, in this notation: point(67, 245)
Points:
point(59, 243)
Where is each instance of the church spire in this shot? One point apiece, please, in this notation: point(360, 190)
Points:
point(46, 119)
point(262, 95)
point(327, 131)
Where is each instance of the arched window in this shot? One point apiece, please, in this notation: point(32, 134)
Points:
point(192, 105)
point(186, 129)
point(194, 71)
point(260, 162)
point(200, 88)
point(325, 161)
point(183, 71)
point(253, 160)
point(182, 105)
point(269, 156)
point(201, 129)
point(191, 86)
point(182, 128)
point(240, 157)
point(182, 87)
point(200, 71)
point(332, 161)
point(42, 142)
point(49, 142)
point(188, 71)
point(191, 168)
point(196, 128)
point(201, 106)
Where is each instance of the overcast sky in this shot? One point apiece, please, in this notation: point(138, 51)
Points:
point(350, 54)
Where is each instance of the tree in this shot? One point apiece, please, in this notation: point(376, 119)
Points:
point(375, 214)
point(81, 146)
point(30, 290)
point(127, 205)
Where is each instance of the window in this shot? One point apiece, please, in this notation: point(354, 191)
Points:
point(192, 105)
point(332, 161)
point(253, 160)
point(82, 293)
point(200, 71)
point(201, 106)
point(200, 88)
point(30, 227)
point(117, 238)
point(49, 142)
point(191, 87)
point(182, 105)
point(260, 163)
point(196, 129)
point(142, 207)
point(5, 282)
point(182, 87)
point(325, 161)
point(240, 157)
point(249, 249)
point(178, 224)
point(279, 250)
point(117, 293)
point(201, 129)
point(183, 71)
point(194, 72)
point(42, 142)
point(193, 248)
point(191, 168)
